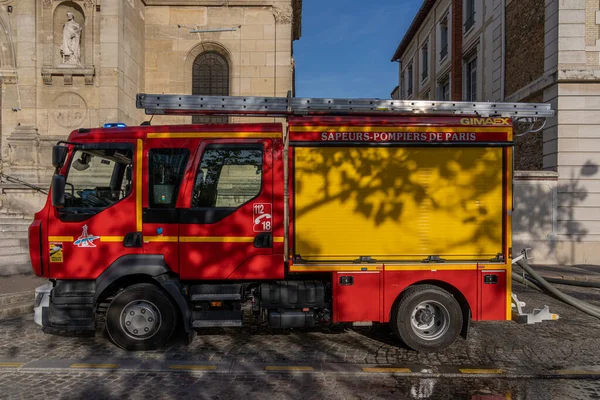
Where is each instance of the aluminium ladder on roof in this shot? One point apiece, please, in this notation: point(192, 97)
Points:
point(174, 104)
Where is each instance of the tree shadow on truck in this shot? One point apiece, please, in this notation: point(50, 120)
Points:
point(414, 201)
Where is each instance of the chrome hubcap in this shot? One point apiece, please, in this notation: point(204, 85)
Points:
point(140, 319)
point(429, 320)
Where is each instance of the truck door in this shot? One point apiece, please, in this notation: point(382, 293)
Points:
point(166, 165)
point(99, 215)
point(226, 228)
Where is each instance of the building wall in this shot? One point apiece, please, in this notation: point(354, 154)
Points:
point(128, 47)
point(483, 39)
point(571, 144)
point(525, 27)
point(259, 52)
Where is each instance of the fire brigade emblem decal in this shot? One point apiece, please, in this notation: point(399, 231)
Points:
point(85, 240)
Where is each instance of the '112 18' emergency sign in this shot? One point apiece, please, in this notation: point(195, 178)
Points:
point(262, 217)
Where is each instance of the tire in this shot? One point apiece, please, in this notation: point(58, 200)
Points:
point(141, 317)
point(427, 318)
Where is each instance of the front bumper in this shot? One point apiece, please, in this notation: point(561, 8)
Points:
point(65, 306)
point(42, 303)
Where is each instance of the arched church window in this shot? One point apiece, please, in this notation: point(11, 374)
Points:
point(210, 77)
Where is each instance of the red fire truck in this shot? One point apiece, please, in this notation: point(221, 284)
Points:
point(353, 211)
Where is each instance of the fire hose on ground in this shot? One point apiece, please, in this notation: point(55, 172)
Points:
point(538, 282)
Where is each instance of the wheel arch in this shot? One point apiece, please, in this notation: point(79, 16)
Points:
point(458, 295)
point(142, 268)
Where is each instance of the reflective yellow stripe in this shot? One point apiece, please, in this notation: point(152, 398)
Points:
point(138, 185)
point(194, 367)
point(481, 371)
point(211, 135)
point(215, 239)
point(112, 239)
point(431, 267)
point(388, 370)
point(578, 372)
point(101, 366)
point(171, 239)
point(509, 244)
point(10, 364)
point(364, 267)
point(287, 368)
point(60, 238)
point(327, 268)
point(395, 129)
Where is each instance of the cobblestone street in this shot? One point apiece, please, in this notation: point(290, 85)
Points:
point(94, 385)
point(323, 363)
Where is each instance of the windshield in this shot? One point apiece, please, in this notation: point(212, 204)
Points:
point(98, 178)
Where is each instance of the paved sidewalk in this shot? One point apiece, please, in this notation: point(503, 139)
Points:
point(20, 283)
point(585, 273)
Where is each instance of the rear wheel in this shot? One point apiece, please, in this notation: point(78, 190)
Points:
point(427, 318)
point(141, 317)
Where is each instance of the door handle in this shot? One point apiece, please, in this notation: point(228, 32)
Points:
point(133, 239)
point(263, 240)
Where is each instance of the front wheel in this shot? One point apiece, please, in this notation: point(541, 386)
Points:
point(427, 318)
point(141, 317)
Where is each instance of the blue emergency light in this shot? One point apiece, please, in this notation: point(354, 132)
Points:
point(115, 125)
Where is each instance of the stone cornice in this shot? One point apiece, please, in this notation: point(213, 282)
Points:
point(296, 7)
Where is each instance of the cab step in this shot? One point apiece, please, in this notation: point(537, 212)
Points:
point(211, 292)
point(217, 318)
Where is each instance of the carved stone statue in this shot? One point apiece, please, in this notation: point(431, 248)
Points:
point(70, 49)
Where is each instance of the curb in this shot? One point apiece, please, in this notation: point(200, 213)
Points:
point(16, 304)
point(16, 310)
point(248, 368)
point(15, 269)
point(17, 297)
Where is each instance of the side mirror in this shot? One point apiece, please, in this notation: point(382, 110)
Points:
point(59, 155)
point(58, 190)
point(128, 173)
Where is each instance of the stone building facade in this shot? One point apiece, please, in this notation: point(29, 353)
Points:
point(127, 47)
point(524, 51)
point(233, 47)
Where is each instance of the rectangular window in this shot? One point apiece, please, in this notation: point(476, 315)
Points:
point(166, 168)
point(425, 61)
point(446, 91)
point(409, 85)
point(98, 177)
point(443, 89)
point(471, 79)
point(469, 14)
point(444, 38)
point(228, 176)
point(402, 85)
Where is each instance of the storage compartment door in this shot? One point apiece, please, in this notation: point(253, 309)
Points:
point(492, 286)
point(398, 203)
point(357, 296)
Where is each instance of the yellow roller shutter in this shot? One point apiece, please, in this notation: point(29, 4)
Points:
point(398, 203)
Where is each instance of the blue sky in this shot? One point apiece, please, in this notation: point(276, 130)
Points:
point(346, 47)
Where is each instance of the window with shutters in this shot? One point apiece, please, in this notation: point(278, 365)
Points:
point(210, 77)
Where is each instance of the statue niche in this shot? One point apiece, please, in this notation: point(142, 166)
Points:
point(68, 35)
point(70, 48)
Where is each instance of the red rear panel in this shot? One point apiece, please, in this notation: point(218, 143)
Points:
point(356, 296)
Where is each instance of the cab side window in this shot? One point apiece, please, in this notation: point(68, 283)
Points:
point(166, 168)
point(98, 178)
point(228, 176)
